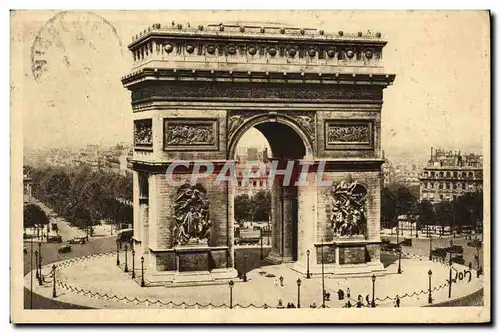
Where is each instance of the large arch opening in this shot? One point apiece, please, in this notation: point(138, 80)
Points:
point(257, 149)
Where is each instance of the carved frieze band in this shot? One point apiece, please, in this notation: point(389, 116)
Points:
point(143, 133)
point(191, 134)
point(347, 134)
point(250, 92)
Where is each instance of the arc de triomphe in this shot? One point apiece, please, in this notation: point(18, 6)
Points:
point(316, 97)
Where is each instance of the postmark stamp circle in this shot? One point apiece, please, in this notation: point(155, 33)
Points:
point(61, 40)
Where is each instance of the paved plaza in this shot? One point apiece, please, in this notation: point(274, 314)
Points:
point(98, 282)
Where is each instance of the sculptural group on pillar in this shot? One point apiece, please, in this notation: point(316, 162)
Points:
point(191, 215)
point(348, 209)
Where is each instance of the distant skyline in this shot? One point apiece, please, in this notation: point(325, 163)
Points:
point(439, 97)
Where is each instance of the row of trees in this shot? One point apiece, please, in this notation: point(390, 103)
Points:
point(465, 211)
point(253, 208)
point(82, 195)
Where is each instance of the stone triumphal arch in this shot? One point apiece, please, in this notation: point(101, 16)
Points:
point(316, 97)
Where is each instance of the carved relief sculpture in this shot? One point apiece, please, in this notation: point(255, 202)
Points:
point(192, 221)
point(192, 134)
point(348, 209)
point(306, 120)
point(143, 132)
point(348, 133)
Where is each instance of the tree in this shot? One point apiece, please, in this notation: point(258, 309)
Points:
point(444, 214)
point(388, 207)
point(34, 217)
point(425, 214)
point(242, 207)
point(261, 203)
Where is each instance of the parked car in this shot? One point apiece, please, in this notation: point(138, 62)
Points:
point(407, 242)
point(54, 239)
point(64, 249)
point(455, 249)
point(439, 252)
point(458, 260)
point(475, 243)
point(77, 240)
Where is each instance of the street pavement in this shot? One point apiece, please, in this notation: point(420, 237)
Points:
point(101, 275)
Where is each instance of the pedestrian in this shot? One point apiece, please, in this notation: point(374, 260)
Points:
point(281, 281)
point(348, 292)
point(288, 306)
point(397, 301)
point(367, 300)
point(348, 304)
point(313, 305)
point(280, 304)
point(360, 299)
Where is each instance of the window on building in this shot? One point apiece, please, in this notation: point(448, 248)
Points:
point(463, 174)
point(463, 186)
point(441, 174)
point(440, 186)
point(432, 185)
point(471, 175)
point(441, 196)
point(454, 174)
point(432, 173)
point(447, 174)
point(426, 173)
point(448, 186)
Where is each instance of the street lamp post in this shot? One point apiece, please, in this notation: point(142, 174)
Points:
point(450, 280)
point(373, 290)
point(268, 231)
point(231, 285)
point(36, 265)
point(245, 268)
point(133, 263)
point(261, 247)
point(399, 260)
point(117, 253)
point(478, 248)
point(142, 271)
point(31, 274)
point(126, 264)
point(323, 271)
point(430, 286)
point(54, 280)
point(298, 292)
point(430, 248)
point(308, 274)
point(40, 259)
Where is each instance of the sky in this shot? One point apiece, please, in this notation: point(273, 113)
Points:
point(440, 96)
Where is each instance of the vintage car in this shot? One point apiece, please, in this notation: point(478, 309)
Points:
point(455, 249)
point(439, 252)
point(54, 239)
point(475, 243)
point(64, 249)
point(458, 260)
point(77, 240)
